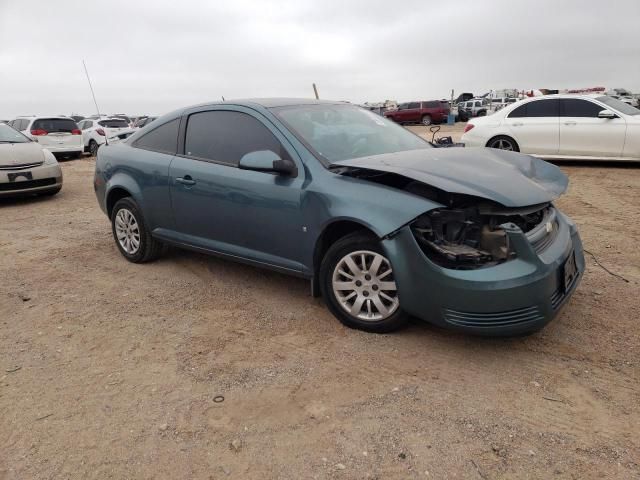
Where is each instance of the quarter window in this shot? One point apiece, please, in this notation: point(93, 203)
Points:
point(225, 137)
point(575, 107)
point(162, 139)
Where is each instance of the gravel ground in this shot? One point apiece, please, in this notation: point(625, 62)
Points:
point(111, 370)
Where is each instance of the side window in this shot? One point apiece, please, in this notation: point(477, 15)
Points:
point(24, 123)
point(478, 104)
point(88, 124)
point(543, 108)
point(81, 125)
point(225, 137)
point(163, 139)
point(537, 108)
point(414, 105)
point(575, 107)
point(519, 112)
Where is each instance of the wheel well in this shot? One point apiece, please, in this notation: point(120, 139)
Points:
point(115, 195)
point(331, 234)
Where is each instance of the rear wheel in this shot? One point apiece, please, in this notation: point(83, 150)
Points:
point(357, 283)
point(93, 147)
point(130, 232)
point(503, 142)
point(426, 120)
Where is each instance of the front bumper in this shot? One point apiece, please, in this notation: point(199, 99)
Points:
point(516, 297)
point(44, 178)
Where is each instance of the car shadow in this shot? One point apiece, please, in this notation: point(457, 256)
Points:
point(299, 290)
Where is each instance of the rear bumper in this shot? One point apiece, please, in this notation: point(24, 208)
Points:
point(79, 148)
point(44, 178)
point(517, 297)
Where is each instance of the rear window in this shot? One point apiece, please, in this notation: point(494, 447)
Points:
point(116, 123)
point(55, 125)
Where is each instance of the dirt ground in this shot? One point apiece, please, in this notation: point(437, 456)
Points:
point(111, 370)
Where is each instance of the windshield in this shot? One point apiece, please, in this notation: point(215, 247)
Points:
point(9, 135)
point(113, 123)
point(619, 106)
point(341, 132)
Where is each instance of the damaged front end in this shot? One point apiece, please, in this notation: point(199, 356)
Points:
point(476, 236)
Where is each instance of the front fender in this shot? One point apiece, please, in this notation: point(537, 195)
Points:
point(379, 208)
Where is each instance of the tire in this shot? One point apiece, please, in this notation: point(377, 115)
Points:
point(93, 147)
point(147, 248)
point(482, 113)
point(503, 142)
point(426, 120)
point(51, 193)
point(370, 285)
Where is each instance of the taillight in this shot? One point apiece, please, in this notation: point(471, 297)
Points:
point(468, 127)
point(100, 131)
point(76, 131)
point(39, 131)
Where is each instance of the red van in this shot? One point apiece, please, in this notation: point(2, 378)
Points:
point(426, 113)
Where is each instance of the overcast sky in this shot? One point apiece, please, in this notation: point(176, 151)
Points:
point(154, 56)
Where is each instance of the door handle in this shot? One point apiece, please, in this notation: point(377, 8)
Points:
point(186, 180)
point(518, 124)
point(569, 123)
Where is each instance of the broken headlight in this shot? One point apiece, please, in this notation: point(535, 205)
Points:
point(461, 239)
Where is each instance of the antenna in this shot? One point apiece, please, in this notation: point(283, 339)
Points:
point(315, 90)
point(91, 87)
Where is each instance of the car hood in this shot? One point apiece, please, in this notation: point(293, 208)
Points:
point(15, 154)
point(509, 178)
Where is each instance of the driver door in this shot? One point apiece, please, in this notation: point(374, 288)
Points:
point(582, 133)
point(219, 207)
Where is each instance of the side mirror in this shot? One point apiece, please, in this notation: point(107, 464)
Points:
point(606, 114)
point(267, 161)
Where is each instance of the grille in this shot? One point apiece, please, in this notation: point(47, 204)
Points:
point(499, 319)
point(21, 166)
point(556, 298)
point(5, 187)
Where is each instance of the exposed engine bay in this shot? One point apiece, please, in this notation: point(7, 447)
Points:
point(468, 233)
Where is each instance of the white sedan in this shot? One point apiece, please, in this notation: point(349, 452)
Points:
point(561, 126)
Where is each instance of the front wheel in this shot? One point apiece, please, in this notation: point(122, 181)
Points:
point(130, 232)
point(426, 120)
point(357, 283)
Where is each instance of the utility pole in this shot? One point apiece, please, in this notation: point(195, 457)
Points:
point(91, 87)
point(315, 90)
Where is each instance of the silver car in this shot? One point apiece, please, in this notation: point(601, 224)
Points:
point(25, 167)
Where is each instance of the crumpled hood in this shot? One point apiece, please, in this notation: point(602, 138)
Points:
point(14, 154)
point(509, 178)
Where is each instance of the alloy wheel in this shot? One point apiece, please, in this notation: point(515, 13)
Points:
point(363, 284)
point(127, 231)
point(502, 144)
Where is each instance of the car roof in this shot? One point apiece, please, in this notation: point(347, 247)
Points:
point(36, 117)
point(271, 102)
